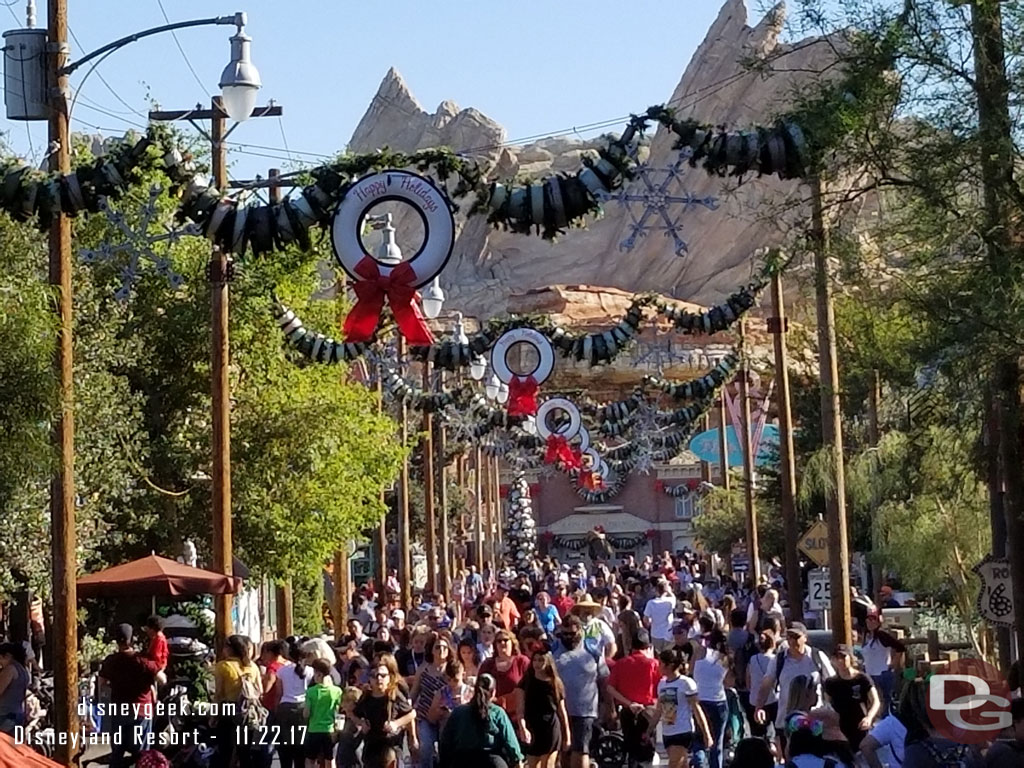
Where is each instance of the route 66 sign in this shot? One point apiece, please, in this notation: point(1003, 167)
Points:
point(995, 598)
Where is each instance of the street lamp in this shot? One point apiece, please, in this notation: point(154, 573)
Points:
point(433, 299)
point(492, 386)
point(502, 396)
point(27, 84)
point(459, 331)
point(240, 80)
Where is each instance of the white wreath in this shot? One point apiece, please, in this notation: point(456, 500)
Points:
point(537, 340)
point(575, 420)
point(417, 191)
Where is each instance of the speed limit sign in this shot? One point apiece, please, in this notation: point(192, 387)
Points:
point(819, 590)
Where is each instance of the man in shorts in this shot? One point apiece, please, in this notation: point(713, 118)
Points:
point(582, 672)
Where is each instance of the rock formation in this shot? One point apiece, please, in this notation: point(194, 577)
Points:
point(488, 265)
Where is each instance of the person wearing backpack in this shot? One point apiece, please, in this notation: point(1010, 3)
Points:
point(238, 684)
point(934, 750)
point(798, 660)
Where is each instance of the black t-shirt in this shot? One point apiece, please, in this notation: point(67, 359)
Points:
point(851, 701)
point(409, 662)
point(377, 710)
point(540, 705)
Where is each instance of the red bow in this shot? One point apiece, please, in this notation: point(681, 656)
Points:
point(559, 452)
point(522, 396)
point(398, 288)
point(592, 481)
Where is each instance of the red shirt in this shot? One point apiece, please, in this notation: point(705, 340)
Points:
point(158, 650)
point(636, 677)
point(506, 608)
point(131, 677)
point(270, 698)
point(507, 681)
point(563, 604)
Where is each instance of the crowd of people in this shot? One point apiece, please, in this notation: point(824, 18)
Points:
point(564, 666)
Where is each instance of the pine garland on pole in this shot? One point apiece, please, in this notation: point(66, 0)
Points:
point(521, 531)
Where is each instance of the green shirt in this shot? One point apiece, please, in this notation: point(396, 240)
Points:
point(322, 702)
point(464, 735)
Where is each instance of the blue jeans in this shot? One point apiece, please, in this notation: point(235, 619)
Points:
point(428, 735)
point(884, 683)
point(717, 713)
point(127, 736)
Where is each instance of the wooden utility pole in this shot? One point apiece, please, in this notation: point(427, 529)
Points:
point(723, 440)
point(381, 535)
point(220, 274)
point(405, 572)
point(63, 539)
point(442, 503)
point(779, 326)
point(220, 265)
point(874, 435)
point(478, 493)
point(753, 545)
point(831, 424)
point(285, 601)
point(997, 519)
point(427, 452)
point(488, 523)
point(342, 594)
point(499, 528)
point(460, 482)
point(996, 162)
point(705, 466)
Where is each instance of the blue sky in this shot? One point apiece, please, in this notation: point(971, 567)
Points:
point(535, 67)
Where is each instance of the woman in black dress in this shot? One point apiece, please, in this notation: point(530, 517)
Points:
point(542, 720)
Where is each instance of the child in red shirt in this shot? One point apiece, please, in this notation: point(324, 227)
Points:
point(157, 649)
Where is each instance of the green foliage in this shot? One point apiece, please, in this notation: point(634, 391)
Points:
point(310, 452)
point(308, 603)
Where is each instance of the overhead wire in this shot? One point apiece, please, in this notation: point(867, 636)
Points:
point(181, 50)
point(103, 80)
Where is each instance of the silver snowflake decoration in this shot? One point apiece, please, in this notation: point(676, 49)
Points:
point(145, 239)
point(657, 200)
point(461, 423)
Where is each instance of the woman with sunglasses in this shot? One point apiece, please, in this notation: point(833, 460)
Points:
point(430, 679)
point(507, 666)
point(383, 714)
point(479, 734)
point(542, 716)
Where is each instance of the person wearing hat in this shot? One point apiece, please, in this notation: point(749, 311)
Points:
point(597, 635)
point(505, 607)
point(582, 671)
point(798, 660)
point(130, 678)
point(852, 695)
point(882, 653)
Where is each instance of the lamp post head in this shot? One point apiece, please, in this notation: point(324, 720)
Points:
point(240, 80)
point(492, 386)
point(433, 299)
point(459, 330)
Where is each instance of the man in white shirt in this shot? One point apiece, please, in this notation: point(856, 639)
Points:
point(885, 743)
point(799, 659)
point(658, 616)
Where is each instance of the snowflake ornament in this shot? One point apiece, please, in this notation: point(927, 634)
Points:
point(656, 199)
point(139, 243)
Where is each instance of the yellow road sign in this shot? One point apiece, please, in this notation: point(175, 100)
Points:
point(814, 543)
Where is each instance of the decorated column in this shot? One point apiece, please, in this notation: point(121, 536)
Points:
point(521, 533)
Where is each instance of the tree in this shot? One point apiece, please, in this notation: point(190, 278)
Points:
point(311, 453)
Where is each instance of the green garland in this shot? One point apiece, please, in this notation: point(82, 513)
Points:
point(27, 193)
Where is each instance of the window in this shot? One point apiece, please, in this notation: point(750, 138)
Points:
point(684, 508)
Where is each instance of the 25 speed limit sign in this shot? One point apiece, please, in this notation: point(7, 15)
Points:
point(819, 590)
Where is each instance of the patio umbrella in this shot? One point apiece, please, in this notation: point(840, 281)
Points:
point(19, 756)
point(155, 576)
